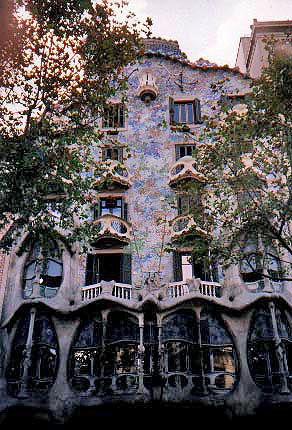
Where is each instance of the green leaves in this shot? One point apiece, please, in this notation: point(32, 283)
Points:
point(54, 84)
point(246, 156)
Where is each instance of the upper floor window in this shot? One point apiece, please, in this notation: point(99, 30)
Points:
point(111, 205)
point(112, 153)
point(259, 262)
point(183, 151)
point(187, 267)
point(185, 111)
point(43, 270)
point(188, 203)
point(114, 116)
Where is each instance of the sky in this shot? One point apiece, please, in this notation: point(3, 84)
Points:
point(209, 29)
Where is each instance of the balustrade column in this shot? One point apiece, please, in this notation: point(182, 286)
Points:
point(23, 393)
point(280, 352)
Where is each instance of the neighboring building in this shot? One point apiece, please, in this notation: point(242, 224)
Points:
point(131, 323)
point(252, 55)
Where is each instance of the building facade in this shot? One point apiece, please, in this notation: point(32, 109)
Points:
point(136, 320)
point(252, 55)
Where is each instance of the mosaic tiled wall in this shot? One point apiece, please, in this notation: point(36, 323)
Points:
point(152, 152)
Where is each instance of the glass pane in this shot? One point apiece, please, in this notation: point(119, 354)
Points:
point(190, 113)
point(223, 360)
point(183, 113)
point(182, 151)
point(30, 270)
point(53, 268)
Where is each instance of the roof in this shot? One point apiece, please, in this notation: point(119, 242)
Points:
point(170, 49)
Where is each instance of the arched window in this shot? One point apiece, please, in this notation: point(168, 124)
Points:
point(86, 364)
point(121, 351)
point(260, 262)
point(33, 361)
point(43, 270)
point(180, 346)
point(270, 349)
point(218, 354)
point(251, 266)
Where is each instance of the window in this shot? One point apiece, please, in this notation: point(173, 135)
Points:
point(269, 349)
point(185, 112)
point(205, 351)
point(186, 267)
point(183, 150)
point(108, 267)
point(187, 203)
point(228, 101)
point(256, 262)
point(114, 116)
point(111, 205)
point(34, 353)
point(45, 268)
point(115, 153)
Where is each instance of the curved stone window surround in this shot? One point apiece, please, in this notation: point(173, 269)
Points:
point(198, 357)
point(270, 349)
point(85, 368)
point(33, 362)
point(104, 355)
point(121, 351)
point(43, 271)
point(218, 352)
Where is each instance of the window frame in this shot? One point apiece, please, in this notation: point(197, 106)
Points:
point(109, 124)
point(196, 111)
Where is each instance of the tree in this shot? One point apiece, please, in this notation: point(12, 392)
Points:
point(245, 153)
point(60, 62)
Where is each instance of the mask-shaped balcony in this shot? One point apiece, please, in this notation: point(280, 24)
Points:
point(111, 230)
point(184, 225)
point(113, 174)
point(148, 89)
point(183, 171)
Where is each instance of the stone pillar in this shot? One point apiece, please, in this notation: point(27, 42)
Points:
point(141, 351)
point(61, 396)
point(247, 395)
point(23, 393)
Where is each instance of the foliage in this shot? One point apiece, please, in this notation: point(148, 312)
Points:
point(246, 155)
point(60, 63)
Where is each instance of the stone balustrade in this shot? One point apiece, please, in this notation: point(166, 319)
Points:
point(115, 289)
point(205, 288)
point(184, 170)
point(113, 226)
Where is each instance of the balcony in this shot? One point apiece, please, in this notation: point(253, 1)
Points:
point(203, 288)
point(114, 289)
point(183, 171)
point(184, 225)
point(113, 173)
point(264, 286)
point(111, 227)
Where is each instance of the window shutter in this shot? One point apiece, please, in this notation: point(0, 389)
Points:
point(125, 215)
point(197, 111)
point(177, 269)
point(126, 268)
point(179, 205)
point(177, 152)
point(171, 110)
point(89, 269)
